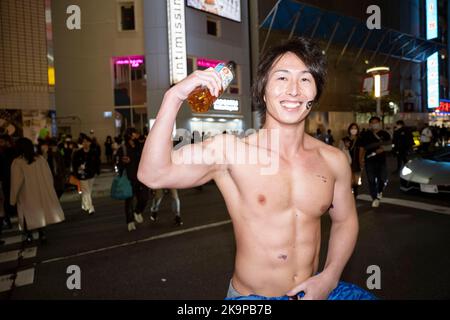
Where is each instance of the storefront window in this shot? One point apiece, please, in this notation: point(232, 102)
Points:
point(130, 93)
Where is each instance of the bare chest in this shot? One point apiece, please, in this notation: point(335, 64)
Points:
point(304, 186)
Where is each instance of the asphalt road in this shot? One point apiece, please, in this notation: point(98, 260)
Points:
point(195, 261)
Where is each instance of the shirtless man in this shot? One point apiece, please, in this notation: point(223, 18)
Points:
point(276, 216)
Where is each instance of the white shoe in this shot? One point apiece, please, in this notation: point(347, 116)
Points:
point(131, 226)
point(375, 203)
point(138, 218)
point(380, 195)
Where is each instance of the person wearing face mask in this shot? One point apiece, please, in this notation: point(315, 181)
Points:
point(403, 143)
point(375, 143)
point(127, 159)
point(353, 149)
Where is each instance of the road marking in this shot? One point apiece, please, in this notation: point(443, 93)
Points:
point(126, 244)
point(14, 254)
point(13, 240)
point(14, 229)
point(23, 278)
point(9, 256)
point(409, 204)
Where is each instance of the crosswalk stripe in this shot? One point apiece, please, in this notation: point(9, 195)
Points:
point(23, 278)
point(409, 204)
point(13, 229)
point(14, 254)
point(13, 240)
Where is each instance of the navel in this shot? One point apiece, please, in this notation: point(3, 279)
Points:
point(283, 257)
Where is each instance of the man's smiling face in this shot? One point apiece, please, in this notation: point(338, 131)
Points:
point(290, 86)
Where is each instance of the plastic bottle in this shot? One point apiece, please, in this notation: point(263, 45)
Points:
point(201, 100)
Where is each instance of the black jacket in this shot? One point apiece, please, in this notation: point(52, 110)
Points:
point(91, 162)
point(403, 140)
point(134, 153)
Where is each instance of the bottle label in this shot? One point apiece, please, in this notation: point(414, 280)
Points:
point(225, 74)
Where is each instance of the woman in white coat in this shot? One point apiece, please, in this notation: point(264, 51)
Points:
point(33, 191)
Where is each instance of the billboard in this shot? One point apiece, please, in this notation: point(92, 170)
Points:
point(433, 81)
point(230, 9)
point(432, 19)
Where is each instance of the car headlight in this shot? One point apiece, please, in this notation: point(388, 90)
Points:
point(406, 171)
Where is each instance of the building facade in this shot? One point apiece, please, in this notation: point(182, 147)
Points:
point(27, 99)
point(113, 71)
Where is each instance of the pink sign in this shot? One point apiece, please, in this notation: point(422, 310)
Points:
point(208, 63)
point(134, 61)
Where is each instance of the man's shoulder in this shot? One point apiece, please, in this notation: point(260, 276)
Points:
point(328, 152)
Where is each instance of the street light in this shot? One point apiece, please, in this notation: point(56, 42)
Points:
point(377, 72)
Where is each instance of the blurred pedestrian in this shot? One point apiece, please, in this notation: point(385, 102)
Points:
point(318, 135)
point(33, 191)
point(354, 139)
point(116, 145)
point(128, 157)
point(109, 150)
point(49, 151)
point(403, 143)
point(156, 202)
point(7, 156)
point(426, 136)
point(375, 143)
point(86, 165)
point(329, 139)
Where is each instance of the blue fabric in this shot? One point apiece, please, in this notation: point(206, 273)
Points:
point(121, 188)
point(344, 291)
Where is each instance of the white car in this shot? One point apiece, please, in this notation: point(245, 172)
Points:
point(429, 174)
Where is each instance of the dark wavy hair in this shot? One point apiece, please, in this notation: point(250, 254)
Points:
point(354, 124)
point(25, 148)
point(307, 50)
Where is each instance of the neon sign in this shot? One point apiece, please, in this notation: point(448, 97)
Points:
point(444, 106)
point(134, 61)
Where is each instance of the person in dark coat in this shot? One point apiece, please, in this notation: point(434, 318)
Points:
point(49, 150)
point(7, 156)
point(403, 142)
point(127, 159)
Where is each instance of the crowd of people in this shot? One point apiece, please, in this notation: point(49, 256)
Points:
point(64, 158)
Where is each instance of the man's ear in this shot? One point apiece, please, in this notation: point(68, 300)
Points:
point(264, 98)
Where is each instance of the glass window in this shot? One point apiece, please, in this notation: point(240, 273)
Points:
point(127, 16)
point(130, 93)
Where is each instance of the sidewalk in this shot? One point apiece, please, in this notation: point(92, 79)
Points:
point(102, 187)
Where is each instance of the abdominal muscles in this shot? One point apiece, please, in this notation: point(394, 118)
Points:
point(275, 252)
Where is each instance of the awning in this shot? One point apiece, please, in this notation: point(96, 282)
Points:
point(304, 20)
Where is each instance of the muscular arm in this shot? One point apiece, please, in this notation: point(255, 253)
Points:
point(191, 165)
point(344, 227)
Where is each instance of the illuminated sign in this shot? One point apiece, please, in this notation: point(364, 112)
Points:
point(433, 80)
point(177, 40)
point(208, 63)
point(107, 114)
point(432, 19)
point(134, 61)
point(444, 106)
point(51, 76)
point(230, 9)
point(226, 105)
